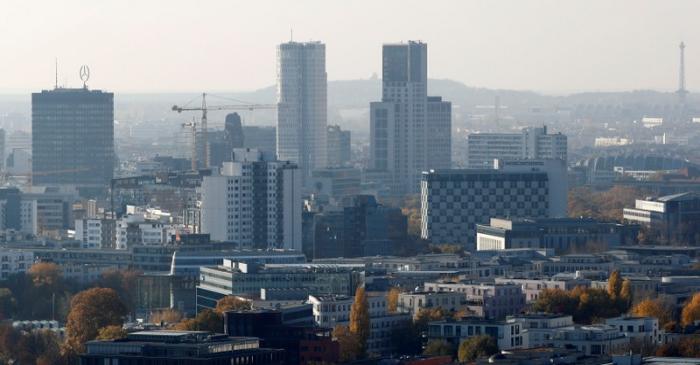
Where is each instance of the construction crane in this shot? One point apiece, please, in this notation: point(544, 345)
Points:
point(203, 128)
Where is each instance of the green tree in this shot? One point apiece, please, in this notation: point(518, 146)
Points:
point(359, 319)
point(91, 310)
point(476, 346)
point(439, 348)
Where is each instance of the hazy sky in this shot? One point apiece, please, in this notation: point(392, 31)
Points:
point(198, 45)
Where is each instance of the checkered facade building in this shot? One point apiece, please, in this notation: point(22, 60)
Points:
point(454, 201)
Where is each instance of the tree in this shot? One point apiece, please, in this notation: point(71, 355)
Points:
point(206, 320)
point(438, 348)
point(392, 299)
point(124, 282)
point(232, 303)
point(45, 274)
point(476, 346)
point(606, 205)
point(359, 319)
point(8, 304)
point(614, 285)
point(625, 298)
point(91, 310)
point(691, 311)
point(111, 332)
point(166, 316)
point(350, 347)
point(657, 308)
point(555, 301)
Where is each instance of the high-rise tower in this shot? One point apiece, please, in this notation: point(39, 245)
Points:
point(410, 132)
point(682, 92)
point(302, 105)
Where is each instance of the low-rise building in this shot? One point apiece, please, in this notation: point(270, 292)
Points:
point(487, 300)
point(332, 310)
point(413, 302)
point(641, 329)
point(14, 262)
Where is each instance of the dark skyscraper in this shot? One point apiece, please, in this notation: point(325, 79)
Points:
point(72, 137)
point(233, 132)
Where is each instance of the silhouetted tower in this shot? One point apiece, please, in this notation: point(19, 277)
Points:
point(682, 92)
point(233, 133)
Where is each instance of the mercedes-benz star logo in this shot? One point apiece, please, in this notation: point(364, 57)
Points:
point(84, 74)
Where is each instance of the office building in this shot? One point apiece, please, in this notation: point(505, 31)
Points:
point(288, 327)
point(254, 201)
point(334, 310)
point(409, 131)
point(360, 227)
point(336, 182)
point(72, 137)
point(453, 202)
point(239, 278)
point(672, 217)
point(339, 150)
point(180, 347)
point(302, 105)
point(531, 143)
point(560, 234)
point(263, 139)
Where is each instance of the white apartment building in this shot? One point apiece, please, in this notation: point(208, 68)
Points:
point(531, 143)
point(413, 302)
point(96, 233)
point(302, 105)
point(486, 300)
point(532, 287)
point(14, 262)
point(454, 201)
point(254, 201)
point(333, 310)
point(641, 329)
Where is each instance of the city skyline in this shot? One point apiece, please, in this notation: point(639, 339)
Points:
point(555, 50)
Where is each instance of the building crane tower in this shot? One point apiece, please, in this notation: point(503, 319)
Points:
point(682, 91)
point(203, 127)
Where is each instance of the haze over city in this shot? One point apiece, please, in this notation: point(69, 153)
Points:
point(167, 46)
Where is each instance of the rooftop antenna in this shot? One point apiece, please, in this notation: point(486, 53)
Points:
point(56, 76)
point(291, 34)
point(84, 75)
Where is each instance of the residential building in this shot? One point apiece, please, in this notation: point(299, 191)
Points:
point(239, 278)
point(17, 214)
point(333, 310)
point(72, 137)
point(592, 340)
point(674, 217)
point(302, 105)
point(531, 143)
point(532, 287)
point(180, 347)
point(560, 234)
point(409, 131)
point(413, 302)
point(96, 233)
point(486, 300)
point(254, 201)
point(339, 150)
point(454, 201)
point(14, 262)
point(639, 329)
